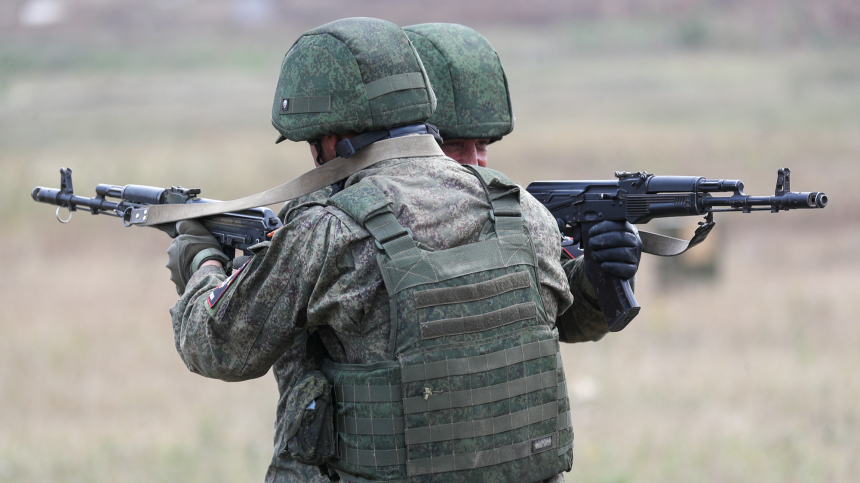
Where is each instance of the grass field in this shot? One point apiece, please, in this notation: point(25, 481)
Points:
point(749, 376)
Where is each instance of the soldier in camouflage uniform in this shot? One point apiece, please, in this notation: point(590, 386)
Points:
point(473, 103)
point(416, 265)
point(473, 110)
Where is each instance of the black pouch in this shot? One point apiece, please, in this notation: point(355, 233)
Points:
point(309, 432)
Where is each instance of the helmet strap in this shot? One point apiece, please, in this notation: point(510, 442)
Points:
point(432, 129)
point(348, 147)
point(318, 146)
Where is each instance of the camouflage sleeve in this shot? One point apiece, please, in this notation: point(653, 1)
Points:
point(584, 320)
point(256, 318)
point(291, 206)
point(565, 288)
point(201, 283)
point(555, 290)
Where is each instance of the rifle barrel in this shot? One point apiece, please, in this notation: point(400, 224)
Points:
point(57, 197)
point(790, 200)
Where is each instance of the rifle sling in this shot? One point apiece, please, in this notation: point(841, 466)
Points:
point(315, 179)
point(340, 168)
point(667, 246)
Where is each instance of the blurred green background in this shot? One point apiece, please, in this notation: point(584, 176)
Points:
point(745, 372)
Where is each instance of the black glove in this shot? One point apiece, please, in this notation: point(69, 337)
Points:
point(193, 246)
point(616, 247)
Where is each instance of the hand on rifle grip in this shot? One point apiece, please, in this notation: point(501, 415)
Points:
point(616, 247)
point(193, 246)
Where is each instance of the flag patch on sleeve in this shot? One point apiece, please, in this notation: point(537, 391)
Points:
point(216, 294)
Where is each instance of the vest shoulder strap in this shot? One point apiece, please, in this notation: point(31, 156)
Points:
point(504, 197)
point(368, 205)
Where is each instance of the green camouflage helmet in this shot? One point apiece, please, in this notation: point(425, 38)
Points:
point(350, 75)
point(468, 79)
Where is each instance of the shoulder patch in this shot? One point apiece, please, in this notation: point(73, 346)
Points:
point(216, 294)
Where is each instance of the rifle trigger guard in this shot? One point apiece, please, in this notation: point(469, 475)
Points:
point(62, 220)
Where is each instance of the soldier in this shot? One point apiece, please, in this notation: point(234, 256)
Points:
point(432, 288)
point(473, 103)
point(473, 110)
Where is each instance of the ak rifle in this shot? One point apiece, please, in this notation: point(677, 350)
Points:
point(233, 231)
point(639, 197)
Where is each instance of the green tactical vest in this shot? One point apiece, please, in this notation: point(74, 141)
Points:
point(474, 389)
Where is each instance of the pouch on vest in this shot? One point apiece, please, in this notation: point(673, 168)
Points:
point(309, 434)
point(473, 388)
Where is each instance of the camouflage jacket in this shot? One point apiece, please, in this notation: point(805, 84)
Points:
point(318, 275)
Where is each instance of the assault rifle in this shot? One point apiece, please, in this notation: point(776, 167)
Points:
point(640, 197)
point(636, 197)
point(233, 230)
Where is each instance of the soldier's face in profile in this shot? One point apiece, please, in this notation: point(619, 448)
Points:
point(467, 151)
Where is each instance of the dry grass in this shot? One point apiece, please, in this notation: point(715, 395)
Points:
point(747, 377)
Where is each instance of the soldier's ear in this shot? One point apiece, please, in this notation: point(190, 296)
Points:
point(327, 144)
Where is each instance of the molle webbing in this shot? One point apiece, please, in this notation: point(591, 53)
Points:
point(449, 368)
point(366, 394)
point(475, 378)
point(371, 457)
point(470, 293)
point(479, 459)
point(482, 427)
point(371, 426)
point(421, 269)
point(445, 432)
point(478, 323)
point(480, 363)
point(482, 395)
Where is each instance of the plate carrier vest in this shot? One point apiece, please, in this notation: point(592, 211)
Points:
point(474, 389)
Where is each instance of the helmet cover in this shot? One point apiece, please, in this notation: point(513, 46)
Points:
point(468, 79)
point(350, 75)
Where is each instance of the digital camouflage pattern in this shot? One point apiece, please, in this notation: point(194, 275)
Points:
point(477, 392)
point(473, 100)
point(583, 321)
point(351, 75)
point(318, 275)
point(299, 359)
point(309, 420)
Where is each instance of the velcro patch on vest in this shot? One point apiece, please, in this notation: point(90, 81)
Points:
point(542, 444)
point(216, 294)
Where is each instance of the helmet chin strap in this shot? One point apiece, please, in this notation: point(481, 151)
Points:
point(348, 147)
point(318, 147)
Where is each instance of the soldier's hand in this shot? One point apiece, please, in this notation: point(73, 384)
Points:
point(616, 247)
point(193, 246)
